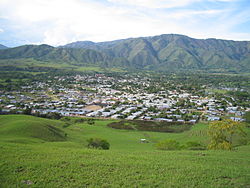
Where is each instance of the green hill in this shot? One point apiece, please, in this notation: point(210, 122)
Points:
point(48, 53)
point(19, 128)
point(176, 52)
point(169, 52)
point(128, 163)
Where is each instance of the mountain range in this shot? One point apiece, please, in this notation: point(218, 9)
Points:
point(3, 47)
point(168, 52)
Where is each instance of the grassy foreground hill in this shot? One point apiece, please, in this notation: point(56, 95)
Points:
point(16, 128)
point(55, 162)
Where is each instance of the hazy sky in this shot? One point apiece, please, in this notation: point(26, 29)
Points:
point(57, 22)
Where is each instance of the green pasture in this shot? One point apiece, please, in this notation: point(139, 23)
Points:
point(38, 152)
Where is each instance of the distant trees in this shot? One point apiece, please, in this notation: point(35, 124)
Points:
point(222, 132)
point(54, 115)
point(27, 111)
point(50, 115)
point(247, 117)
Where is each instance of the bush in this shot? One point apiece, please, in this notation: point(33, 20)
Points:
point(168, 145)
point(91, 122)
point(79, 120)
point(224, 145)
point(98, 143)
point(223, 132)
point(194, 146)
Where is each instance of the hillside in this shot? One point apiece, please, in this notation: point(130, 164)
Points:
point(48, 53)
point(3, 47)
point(19, 128)
point(128, 162)
point(159, 53)
point(172, 51)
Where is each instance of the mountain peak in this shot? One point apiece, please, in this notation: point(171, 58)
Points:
point(3, 47)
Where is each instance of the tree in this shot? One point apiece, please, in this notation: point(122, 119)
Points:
point(222, 132)
point(54, 115)
point(27, 111)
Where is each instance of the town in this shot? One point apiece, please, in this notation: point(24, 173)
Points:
point(124, 97)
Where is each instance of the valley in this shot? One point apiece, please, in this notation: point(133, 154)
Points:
point(113, 115)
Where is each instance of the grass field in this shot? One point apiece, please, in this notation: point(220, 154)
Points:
point(38, 152)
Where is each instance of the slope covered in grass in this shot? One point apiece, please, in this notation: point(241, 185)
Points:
point(128, 163)
point(63, 164)
point(130, 139)
point(19, 128)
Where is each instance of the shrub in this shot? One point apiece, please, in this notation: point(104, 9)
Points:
point(98, 143)
point(168, 145)
point(79, 120)
point(222, 133)
point(65, 119)
point(224, 145)
point(193, 145)
point(91, 122)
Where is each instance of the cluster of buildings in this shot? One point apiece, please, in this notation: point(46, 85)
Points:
point(111, 97)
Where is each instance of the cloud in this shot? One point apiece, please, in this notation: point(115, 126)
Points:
point(57, 22)
point(155, 4)
point(1, 30)
point(162, 3)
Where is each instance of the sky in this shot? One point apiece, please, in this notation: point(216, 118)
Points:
point(58, 22)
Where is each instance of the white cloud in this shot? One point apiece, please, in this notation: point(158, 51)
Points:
point(155, 3)
point(162, 3)
point(1, 30)
point(66, 21)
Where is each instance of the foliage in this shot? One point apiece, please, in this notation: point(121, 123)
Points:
point(53, 115)
point(222, 132)
point(27, 111)
point(91, 121)
point(192, 145)
point(98, 143)
point(163, 126)
point(247, 116)
point(168, 145)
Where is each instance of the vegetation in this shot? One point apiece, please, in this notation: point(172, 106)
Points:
point(41, 161)
point(247, 117)
point(160, 53)
point(174, 127)
point(168, 145)
point(17, 128)
point(194, 145)
point(98, 143)
point(222, 133)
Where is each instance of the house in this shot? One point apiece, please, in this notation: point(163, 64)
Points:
point(213, 118)
point(163, 119)
point(236, 119)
